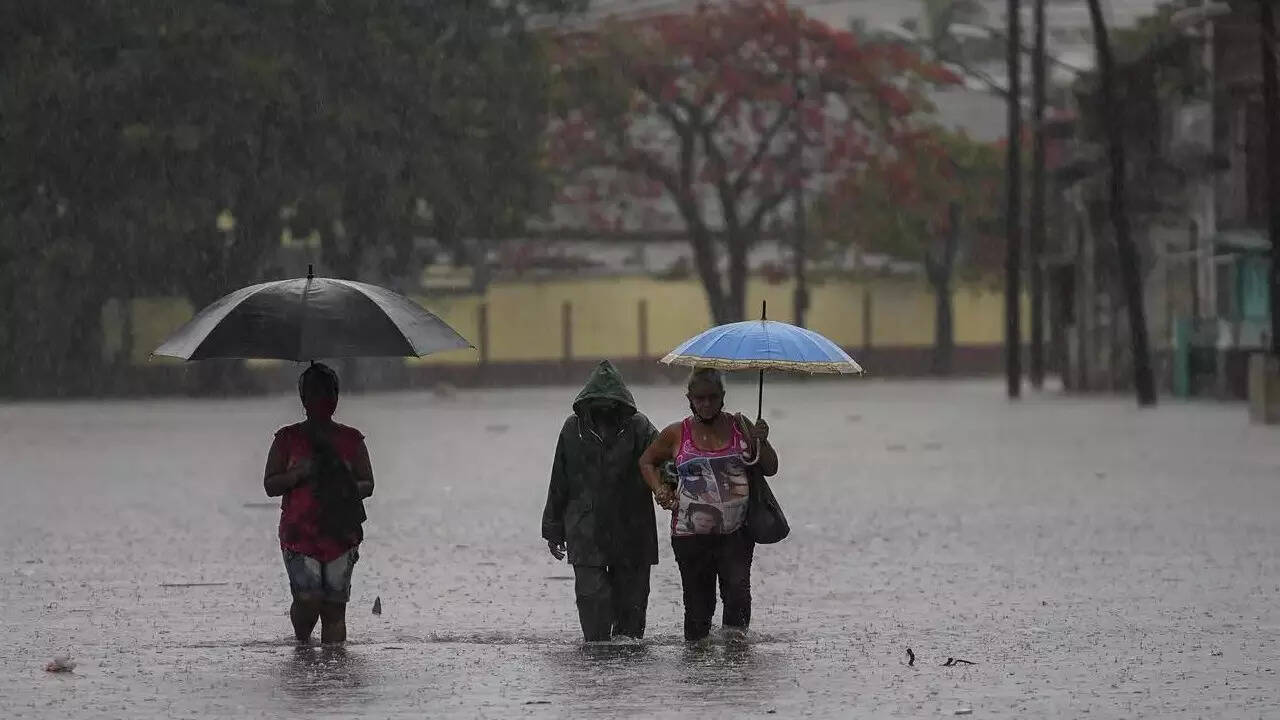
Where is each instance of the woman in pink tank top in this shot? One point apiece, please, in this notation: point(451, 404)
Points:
point(712, 451)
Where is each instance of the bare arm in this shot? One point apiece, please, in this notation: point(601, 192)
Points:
point(660, 451)
point(363, 470)
point(279, 479)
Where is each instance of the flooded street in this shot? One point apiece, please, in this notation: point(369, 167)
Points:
point(1090, 559)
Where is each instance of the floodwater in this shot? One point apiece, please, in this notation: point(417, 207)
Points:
point(1091, 559)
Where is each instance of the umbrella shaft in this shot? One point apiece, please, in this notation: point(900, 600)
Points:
point(760, 398)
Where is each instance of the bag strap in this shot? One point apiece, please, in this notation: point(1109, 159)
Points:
point(743, 428)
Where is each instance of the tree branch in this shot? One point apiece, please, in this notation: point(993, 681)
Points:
point(726, 191)
point(992, 84)
point(744, 177)
point(768, 204)
point(664, 109)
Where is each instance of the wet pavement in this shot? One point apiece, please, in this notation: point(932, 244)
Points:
point(1091, 559)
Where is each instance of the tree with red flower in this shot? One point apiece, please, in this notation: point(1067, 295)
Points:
point(726, 111)
point(936, 203)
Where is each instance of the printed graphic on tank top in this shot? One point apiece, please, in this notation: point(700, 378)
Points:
point(712, 486)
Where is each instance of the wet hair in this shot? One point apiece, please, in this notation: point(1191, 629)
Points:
point(319, 376)
point(708, 375)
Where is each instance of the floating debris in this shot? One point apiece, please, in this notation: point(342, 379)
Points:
point(911, 658)
point(60, 664)
point(538, 702)
point(377, 605)
point(964, 711)
point(952, 662)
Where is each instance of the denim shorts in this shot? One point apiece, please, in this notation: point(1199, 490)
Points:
point(327, 582)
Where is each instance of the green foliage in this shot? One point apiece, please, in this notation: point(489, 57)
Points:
point(898, 205)
point(128, 129)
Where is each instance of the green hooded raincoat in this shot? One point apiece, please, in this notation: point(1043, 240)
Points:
point(598, 502)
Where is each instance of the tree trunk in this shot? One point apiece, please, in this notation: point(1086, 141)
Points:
point(735, 305)
point(123, 368)
point(800, 301)
point(705, 263)
point(235, 267)
point(1013, 211)
point(1037, 218)
point(1130, 278)
point(348, 264)
point(944, 344)
point(80, 370)
point(941, 269)
point(481, 275)
point(1271, 106)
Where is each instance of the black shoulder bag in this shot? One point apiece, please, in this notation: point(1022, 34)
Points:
point(765, 522)
point(341, 507)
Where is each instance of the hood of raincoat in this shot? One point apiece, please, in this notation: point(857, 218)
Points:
point(605, 383)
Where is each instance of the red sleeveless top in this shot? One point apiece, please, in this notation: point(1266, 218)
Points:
point(299, 511)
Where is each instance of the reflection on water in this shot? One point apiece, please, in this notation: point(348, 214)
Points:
point(311, 672)
point(143, 550)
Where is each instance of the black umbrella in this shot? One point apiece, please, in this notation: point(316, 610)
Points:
point(311, 318)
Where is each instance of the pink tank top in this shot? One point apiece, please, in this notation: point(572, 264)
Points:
point(711, 487)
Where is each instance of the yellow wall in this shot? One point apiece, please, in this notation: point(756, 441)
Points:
point(153, 320)
point(525, 317)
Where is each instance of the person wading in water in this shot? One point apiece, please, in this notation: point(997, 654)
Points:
point(322, 470)
point(598, 505)
point(712, 450)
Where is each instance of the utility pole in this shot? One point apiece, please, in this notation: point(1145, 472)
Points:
point(1267, 35)
point(1013, 211)
point(1037, 219)
point(1130, 277)
point(800, 249)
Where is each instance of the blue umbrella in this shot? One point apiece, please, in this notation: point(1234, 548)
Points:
point(763, 345)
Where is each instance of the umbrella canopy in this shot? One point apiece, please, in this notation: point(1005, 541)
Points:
point(308, 319)
point(763, 345)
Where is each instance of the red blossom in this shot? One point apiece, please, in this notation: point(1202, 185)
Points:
point(721, 81)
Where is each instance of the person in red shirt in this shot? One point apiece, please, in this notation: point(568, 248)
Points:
point(321, 470)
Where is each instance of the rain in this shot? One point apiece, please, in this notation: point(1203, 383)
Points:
point(993, 279)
